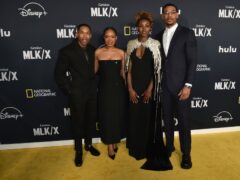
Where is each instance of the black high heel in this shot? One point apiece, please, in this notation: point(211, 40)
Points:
point(115, 149)
point(111, 156)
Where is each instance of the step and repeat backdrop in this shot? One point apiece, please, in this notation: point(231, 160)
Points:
point(32, 107)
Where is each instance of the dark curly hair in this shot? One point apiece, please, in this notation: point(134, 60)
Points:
point(143, 15)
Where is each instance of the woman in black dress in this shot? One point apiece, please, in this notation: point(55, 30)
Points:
point(109, 62)
point(140, 86)
point(144, 138)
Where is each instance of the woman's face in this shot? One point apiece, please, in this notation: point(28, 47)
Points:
point(144, 28)
point(110, 38)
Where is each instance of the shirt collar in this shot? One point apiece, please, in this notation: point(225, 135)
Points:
point(173, 28)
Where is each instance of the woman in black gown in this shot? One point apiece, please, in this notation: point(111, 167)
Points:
point(143, 78)
point(109, 63)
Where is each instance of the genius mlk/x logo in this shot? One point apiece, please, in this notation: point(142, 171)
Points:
point(230, 12)
point(104, 10)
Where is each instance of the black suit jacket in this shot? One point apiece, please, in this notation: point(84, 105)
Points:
point(179, 65)
point(72, 59)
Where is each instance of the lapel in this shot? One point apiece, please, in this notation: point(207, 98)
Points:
point(161, 41)
point(80, 57)
point(174, 38)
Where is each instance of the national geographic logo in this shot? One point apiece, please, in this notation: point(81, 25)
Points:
point(128, 31)
point(29, 93)
point(35, 93)
point(104, 10)
point(203, 67)
point(230, 12)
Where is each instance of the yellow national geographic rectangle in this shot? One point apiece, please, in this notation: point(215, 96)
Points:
point(29, 93)
point(127, 30)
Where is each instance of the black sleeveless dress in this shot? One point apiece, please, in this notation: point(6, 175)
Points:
point(145, 136)
point(112, 101)
point(140, 114)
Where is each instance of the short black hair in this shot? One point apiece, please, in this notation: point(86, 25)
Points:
point(109, 28)
point(81, 25)
point(169, 4)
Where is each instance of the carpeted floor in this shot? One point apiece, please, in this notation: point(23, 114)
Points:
point(215, 157)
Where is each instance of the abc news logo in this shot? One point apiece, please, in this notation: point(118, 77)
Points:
point(67, 32)
point(37, 53)
point(7, 76)
point(230, 12)
point(46, 130)
point(104, 10)
point(229, 49)
point(199, 102)
point(225, 84)
point(202, 31)
point(4, 33)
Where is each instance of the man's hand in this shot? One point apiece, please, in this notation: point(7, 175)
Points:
point(184, 93)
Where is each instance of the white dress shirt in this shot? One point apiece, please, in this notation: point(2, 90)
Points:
point(167, 37)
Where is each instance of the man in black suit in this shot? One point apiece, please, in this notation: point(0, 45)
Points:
point(179, 54)
point(77, 60)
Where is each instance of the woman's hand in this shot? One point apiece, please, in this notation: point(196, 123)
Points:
point(147, 95)
point(133, 96)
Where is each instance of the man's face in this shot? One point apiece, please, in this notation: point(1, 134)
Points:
point(84, 36)
point(170, 16)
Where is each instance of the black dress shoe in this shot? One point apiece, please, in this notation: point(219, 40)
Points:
point(92, 150)
point(170, 151)
point(186, 162)
point(78, 159)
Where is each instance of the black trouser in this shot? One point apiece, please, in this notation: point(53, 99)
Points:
point(83, 104)
point(173, 106)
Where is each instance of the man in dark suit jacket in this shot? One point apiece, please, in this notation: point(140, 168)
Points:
point(178, 67)
point(77, 60)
